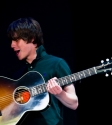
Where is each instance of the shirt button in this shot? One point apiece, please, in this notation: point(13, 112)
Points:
point(31, 67)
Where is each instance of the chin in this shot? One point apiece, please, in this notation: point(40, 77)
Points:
point(20, 58)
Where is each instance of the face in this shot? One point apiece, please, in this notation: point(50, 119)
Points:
point(24, 50)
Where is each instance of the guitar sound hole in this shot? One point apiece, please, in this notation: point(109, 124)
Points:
point(21, 95)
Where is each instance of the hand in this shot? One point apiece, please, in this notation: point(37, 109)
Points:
point(53, 87)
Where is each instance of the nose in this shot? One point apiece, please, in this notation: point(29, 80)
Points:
point(13, 44)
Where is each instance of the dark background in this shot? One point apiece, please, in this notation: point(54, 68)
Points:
point(79, 32)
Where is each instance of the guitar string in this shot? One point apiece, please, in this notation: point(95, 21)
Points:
point(9, 97)
point(75, 77)
point(23, 91)
point(60, 81)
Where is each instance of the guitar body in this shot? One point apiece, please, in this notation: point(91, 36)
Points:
point(16, 97)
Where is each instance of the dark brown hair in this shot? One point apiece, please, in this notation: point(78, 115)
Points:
point(26, 29)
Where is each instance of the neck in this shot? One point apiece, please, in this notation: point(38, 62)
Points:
point(30, 59)
point(31, 56)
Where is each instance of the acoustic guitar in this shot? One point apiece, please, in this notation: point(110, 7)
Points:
point(29, 92)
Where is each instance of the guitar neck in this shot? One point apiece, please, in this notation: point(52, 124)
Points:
point(64, 80)
point(76, 76)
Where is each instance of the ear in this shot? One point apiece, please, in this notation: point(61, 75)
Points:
point(32, 40)
point(36, 46)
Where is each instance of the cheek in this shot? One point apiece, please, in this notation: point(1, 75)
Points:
point(22, 46)
point(25, 49)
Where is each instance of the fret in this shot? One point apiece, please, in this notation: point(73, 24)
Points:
point(73, 78)
point(81, 74)
point(86, 73)
point(44, 87)
point(70, 78)
point(76, 76)
point(93, 71)
point(89, 72)
point(59, 81)
point(33, 91)
point(40, 89)
point(64, 80)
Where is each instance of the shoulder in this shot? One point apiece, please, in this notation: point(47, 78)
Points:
point(56, 58)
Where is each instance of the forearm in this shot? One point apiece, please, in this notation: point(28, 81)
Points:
point(67, 95)
point(68, 99)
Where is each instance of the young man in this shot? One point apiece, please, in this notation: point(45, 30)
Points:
point(27, 41)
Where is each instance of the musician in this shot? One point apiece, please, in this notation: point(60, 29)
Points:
point(26, 37)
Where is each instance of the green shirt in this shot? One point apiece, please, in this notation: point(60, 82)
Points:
point(50, 66)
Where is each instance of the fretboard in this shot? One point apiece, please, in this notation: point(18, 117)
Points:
point(64, 80)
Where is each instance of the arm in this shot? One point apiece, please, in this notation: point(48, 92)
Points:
point(67, 95)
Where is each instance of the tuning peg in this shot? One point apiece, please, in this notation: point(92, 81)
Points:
point(102, 61)
point(107, 60)
point(106, 75)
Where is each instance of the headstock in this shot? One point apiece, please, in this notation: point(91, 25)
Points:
point(105, 67)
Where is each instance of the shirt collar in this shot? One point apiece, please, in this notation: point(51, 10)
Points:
point(41, 52)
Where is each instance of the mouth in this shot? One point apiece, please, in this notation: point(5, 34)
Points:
point(17, 52)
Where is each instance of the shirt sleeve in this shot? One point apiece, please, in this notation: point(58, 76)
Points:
point(63, 69)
